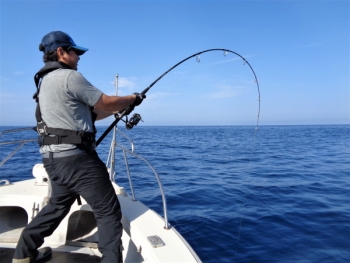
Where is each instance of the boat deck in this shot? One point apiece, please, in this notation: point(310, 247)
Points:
point(145, 238)
point(6, 255)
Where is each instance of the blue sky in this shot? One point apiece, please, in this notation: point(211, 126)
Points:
point(299, 51)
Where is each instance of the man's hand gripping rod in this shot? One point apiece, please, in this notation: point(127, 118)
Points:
point(125, 112)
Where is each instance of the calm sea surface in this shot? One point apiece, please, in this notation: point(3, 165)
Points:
point(277, 194)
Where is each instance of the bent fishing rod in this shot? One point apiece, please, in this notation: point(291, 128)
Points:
point(136, 118)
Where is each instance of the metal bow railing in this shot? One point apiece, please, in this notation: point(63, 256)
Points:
point(110, 163)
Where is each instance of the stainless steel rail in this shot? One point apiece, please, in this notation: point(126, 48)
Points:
point(20, 142)
point(15, 130)
point(132, 152)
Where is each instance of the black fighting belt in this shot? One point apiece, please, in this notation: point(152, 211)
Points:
point(47, 135)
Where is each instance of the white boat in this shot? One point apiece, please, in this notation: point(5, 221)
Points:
point(147, 237)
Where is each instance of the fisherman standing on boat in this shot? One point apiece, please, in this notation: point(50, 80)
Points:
point(67, 107)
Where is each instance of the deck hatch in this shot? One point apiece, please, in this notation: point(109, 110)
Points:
point(156, 241)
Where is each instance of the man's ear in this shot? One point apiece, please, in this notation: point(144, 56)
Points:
point(60, 52)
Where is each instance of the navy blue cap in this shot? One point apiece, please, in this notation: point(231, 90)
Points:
point(56, 39)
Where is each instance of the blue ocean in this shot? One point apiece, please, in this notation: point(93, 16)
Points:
point(236, 193)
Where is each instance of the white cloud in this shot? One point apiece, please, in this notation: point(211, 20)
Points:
point(127, 82)
point(232, 59)
point(226, 61)
point(18, 73)
point(154, 99)
point(159, 95)
point(124, 85)
point(309, 45)
point(7, 95)
point(223, 92)
point(4, 79)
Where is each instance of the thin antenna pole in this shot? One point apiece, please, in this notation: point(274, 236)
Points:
point(114, 140)
point(116, 85)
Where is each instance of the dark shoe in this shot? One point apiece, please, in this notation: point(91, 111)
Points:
point(44, 253)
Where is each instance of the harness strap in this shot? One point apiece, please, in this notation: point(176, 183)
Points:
point(47, 140)
point(47, 135)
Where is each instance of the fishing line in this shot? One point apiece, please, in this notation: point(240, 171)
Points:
point(245, 192)
point(171, 87)
point(253, 148)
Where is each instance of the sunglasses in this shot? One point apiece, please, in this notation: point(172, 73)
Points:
point(77, 51)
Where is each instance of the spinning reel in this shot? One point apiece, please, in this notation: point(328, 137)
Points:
point(133, 121)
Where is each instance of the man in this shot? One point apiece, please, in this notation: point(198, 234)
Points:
point(67, 107)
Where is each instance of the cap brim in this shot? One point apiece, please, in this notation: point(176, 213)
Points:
point(80, 50)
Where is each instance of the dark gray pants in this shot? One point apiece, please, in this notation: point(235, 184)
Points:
point(82, 174)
